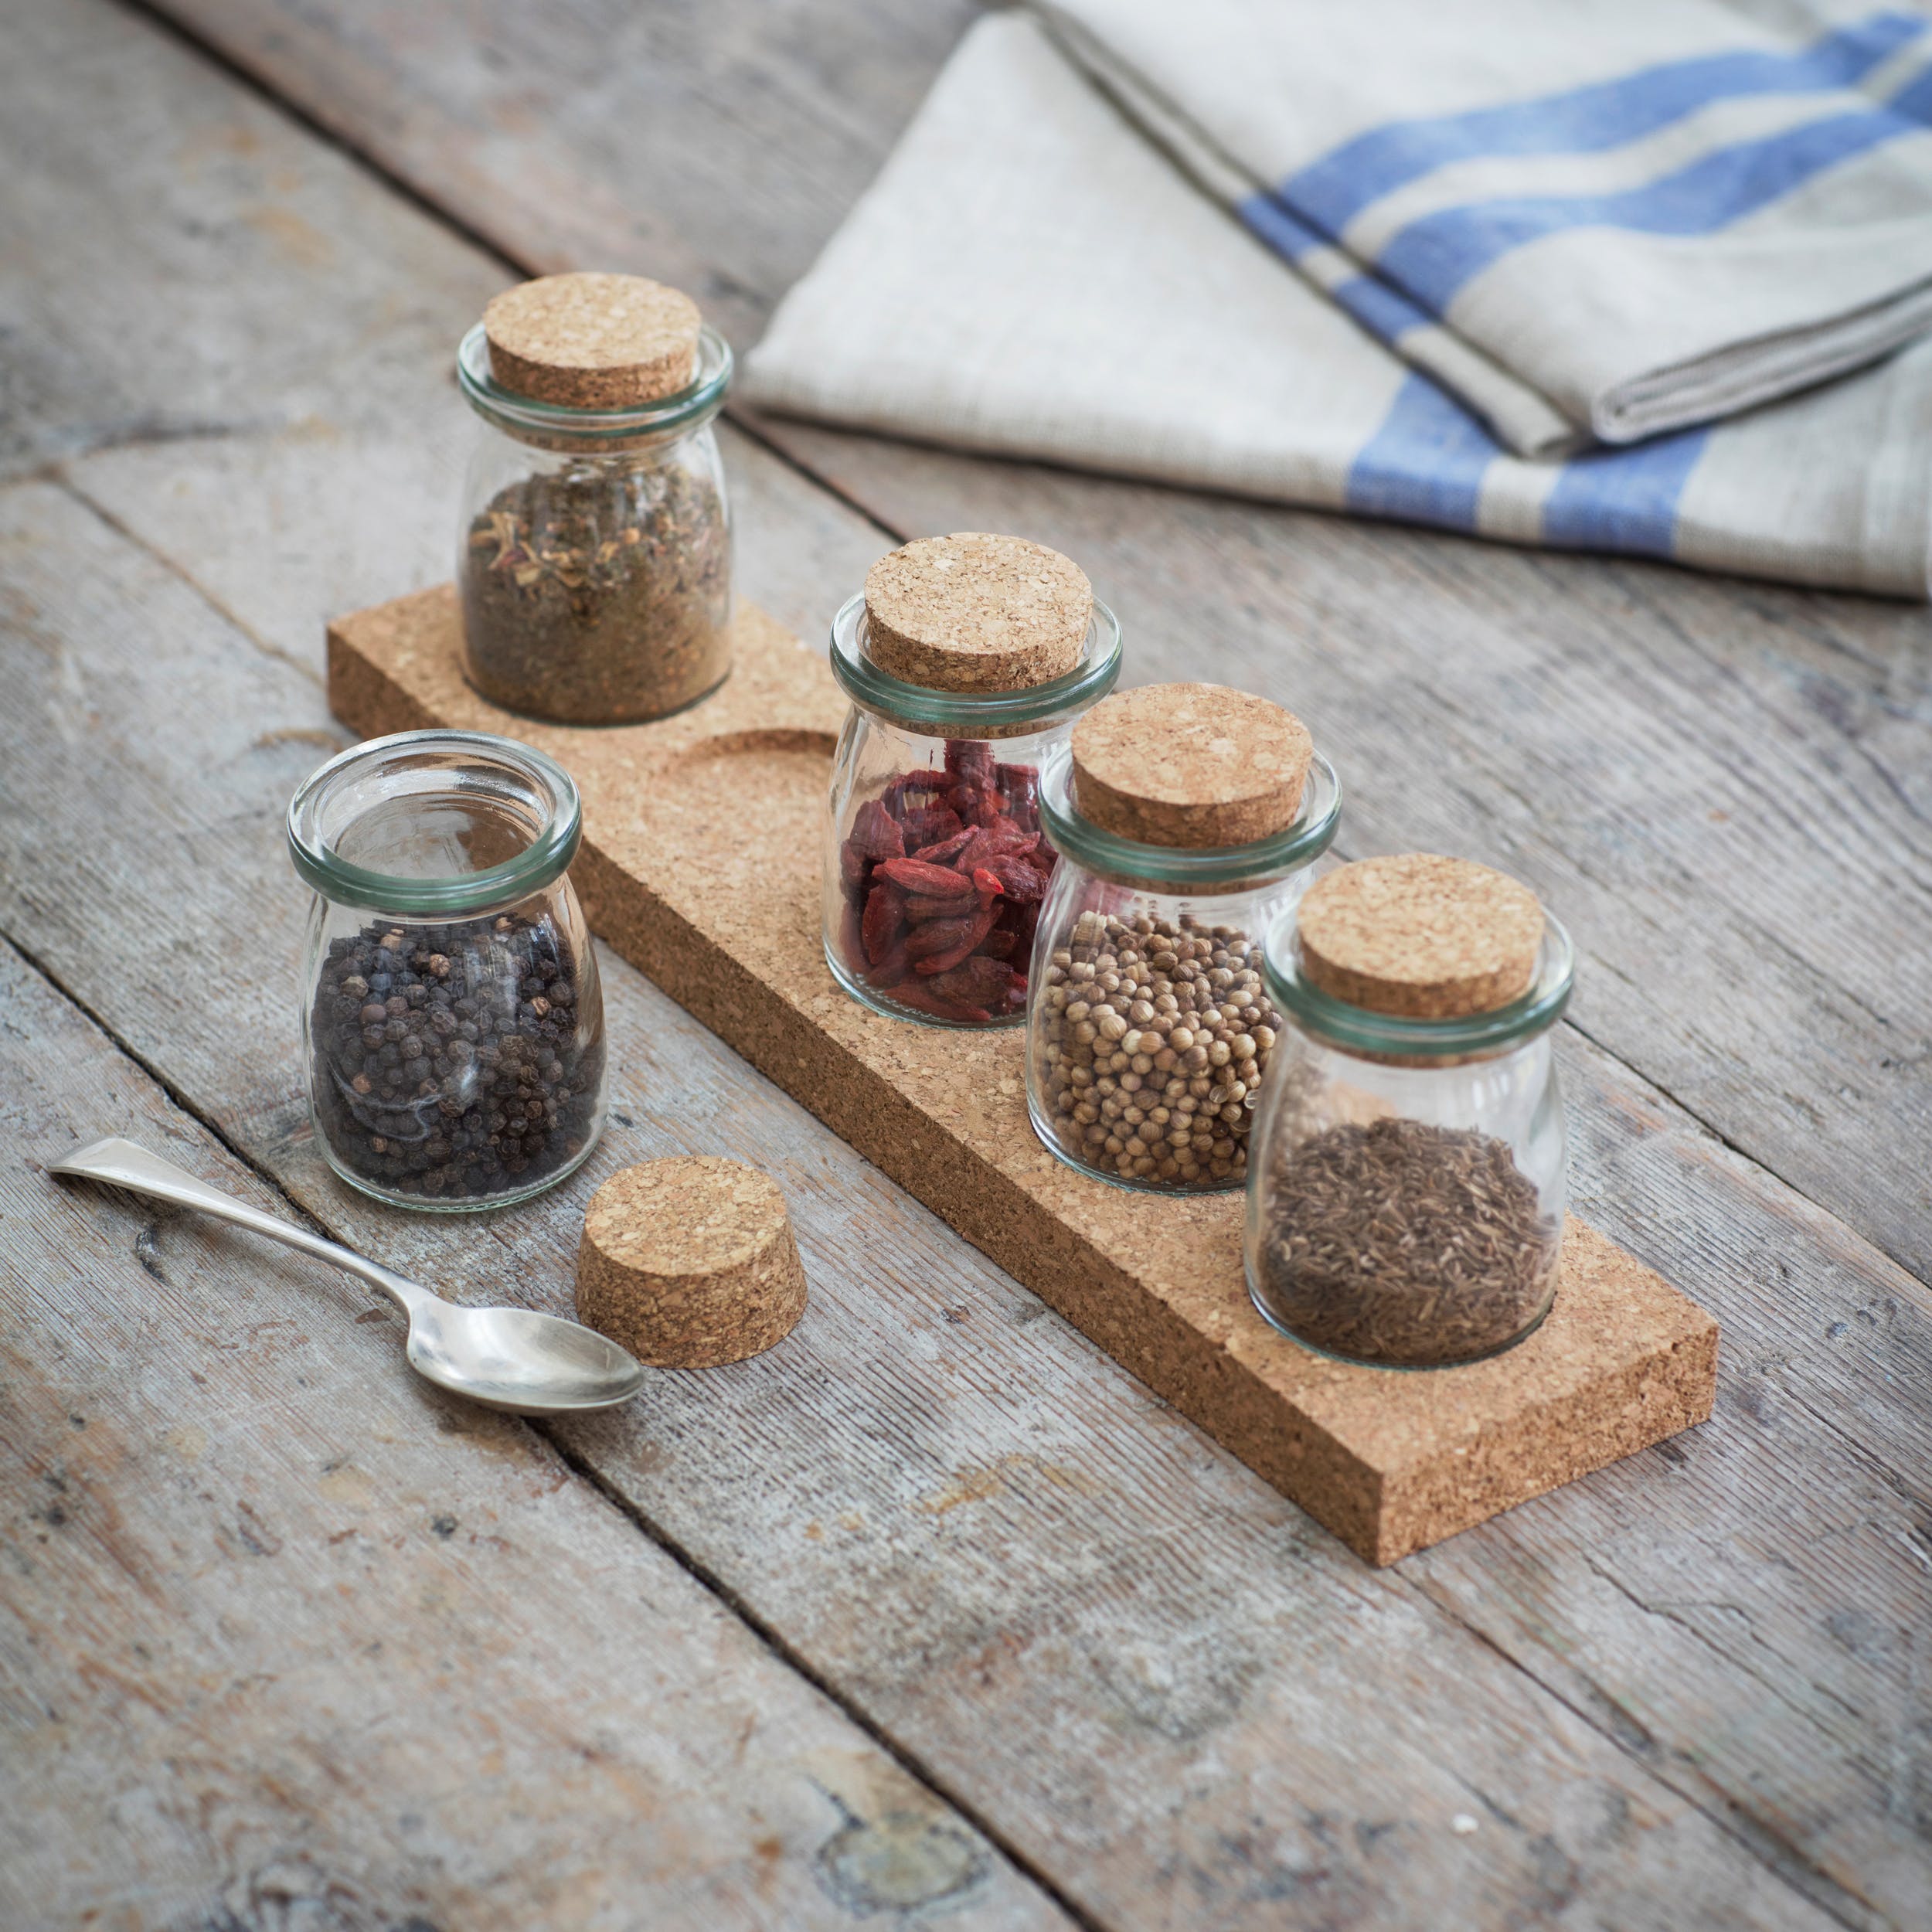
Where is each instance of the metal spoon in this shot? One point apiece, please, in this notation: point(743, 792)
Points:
point(536, 1365)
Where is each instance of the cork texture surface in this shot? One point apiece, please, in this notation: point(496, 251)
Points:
point(1190, 765)
point(688, 867)
point(976, 612)
point(592, 341)
point(690, 1262)
point(1420, 935)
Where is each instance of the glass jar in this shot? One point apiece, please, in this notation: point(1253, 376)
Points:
point(931, 776)
point(452, 1022)
point(1406, 1206)
point(593, 556)
point(1149, 1029)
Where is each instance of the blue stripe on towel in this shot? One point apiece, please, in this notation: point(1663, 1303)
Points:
point(1435, 257)
point(1425, 464)
point(1385, 312)
point(1623, 499)
point(1282, 232)
point(1332, 191)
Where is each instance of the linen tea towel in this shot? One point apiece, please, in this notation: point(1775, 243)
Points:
point(1030, 277)
point(1647, 214)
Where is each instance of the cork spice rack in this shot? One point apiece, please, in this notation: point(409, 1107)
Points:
point(691, 867)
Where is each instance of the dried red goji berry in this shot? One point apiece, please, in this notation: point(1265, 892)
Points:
point(936, 881)
point(944, 851)
point(928, 961)
point(937, 937)
point(876, 833)
point(979, 981)
point(885, 915)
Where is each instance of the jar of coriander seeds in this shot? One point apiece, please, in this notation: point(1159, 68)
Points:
point(452, 1022)
point(966, 658)
point(1406, 1198)
point(593, 559)
point(1186, 816)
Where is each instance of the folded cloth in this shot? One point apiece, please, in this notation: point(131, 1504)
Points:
point(1029, 277)
point(1623, 218)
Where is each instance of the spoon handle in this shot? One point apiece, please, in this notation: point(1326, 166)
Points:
point(122, 1164)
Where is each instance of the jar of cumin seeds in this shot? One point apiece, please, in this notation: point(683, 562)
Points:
point(1186, 816)
point(1406, 1204)
point(966, 658)
point(594, 557)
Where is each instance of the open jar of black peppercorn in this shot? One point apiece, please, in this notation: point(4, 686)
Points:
point(593, 556)
point(1406, 1198)
point(967, 658)
point(452, 1022)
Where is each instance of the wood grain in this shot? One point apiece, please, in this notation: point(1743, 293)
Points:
point(1190, 1703)
point(1091, 1629)
point(290, 1637)
point(1723, 788)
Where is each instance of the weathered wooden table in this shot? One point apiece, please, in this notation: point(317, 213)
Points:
point(935, 1616)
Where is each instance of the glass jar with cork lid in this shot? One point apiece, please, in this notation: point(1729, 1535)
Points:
point(1186, 816)
point(1405, 1207)
point(966, 658)
point(595, 551)
point(452, 1022)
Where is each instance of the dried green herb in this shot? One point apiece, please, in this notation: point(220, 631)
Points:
point(1405, 1244)
point(599, 593)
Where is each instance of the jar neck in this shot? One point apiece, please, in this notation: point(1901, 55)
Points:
point(1177, 871)
point(973, 714)
point(435, 825)
point(659, 425)
point(1396, 1037)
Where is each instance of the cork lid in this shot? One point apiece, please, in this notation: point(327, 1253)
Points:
point(1191, 766)
point(1429, 937)
point(592, 342)
point(690, 1214)
point(975, 612)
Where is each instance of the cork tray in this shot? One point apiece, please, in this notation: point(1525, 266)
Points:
point(700, 864)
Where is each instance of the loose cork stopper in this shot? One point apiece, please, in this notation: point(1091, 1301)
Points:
point(1190, 765)
point(592, 342)
point(690, 1262)
point(972, 612)
point(1429, 937)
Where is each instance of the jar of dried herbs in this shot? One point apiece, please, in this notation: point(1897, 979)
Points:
point(967, 658)
point(452, 1024)
point(594, 553)
point(1406, 1204)
point(1185, 816)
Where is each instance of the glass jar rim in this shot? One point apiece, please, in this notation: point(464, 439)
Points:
point(968, 714)
point(1360, 1029)
point(701, 398)
point(1225, 868)
point(546, 859)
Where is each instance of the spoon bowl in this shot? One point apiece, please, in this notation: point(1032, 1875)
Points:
point(514, 1358)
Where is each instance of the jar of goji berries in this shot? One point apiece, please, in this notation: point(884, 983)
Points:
point(1405, 1207)
point(452, 1024)
point(593, 558)
point(966, 658)
point(1185, 816)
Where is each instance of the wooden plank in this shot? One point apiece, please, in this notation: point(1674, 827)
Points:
point(1177, 1692)
point(691, 829)
point(1724, 788)
point(290, 1637)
